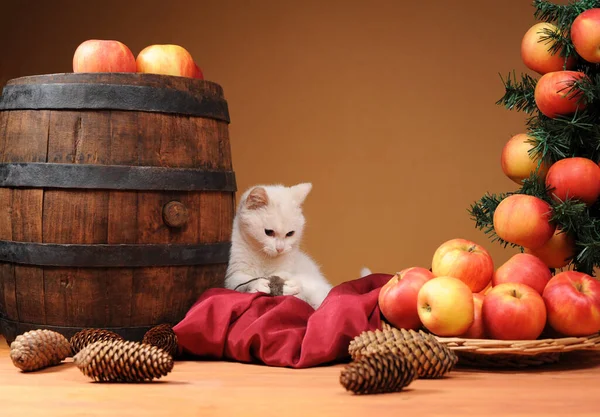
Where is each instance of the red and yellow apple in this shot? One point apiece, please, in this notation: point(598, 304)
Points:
point(585, 35)
point(535, 51)
point(517, 164)
point(556, 252)
point(398, 297)
point(526, 269)
point(487, 289)
point(575, 178)
point(445, 306)
point(465, 260)
point(513, 311)
point(573, 303)
point(198, 72)
point(477, 329)
point(555, 94)
point(166, 59)
point(99, 55)
point(524, 220)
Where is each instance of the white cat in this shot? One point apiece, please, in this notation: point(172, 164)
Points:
point(267, 231)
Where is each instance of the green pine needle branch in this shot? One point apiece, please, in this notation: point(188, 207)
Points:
point(519, 96)
point(565, 136)
point(562, 15)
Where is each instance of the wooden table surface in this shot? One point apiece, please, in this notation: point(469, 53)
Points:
point(571, 388)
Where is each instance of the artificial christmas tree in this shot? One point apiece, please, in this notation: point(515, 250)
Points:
point(559, 221)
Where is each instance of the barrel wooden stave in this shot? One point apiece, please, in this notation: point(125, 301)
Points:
point(110, 297)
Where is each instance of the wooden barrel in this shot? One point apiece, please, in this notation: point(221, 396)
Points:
point(117, 198)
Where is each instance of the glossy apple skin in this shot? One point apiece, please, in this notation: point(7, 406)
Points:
point(552, 93)
point(166, 59)
point(526, 269)
point(535, 51)
point(198, 72)
point(445, 306)
point(572, 300)
point(465, 260)
point(398, 297)
point(576, 178)
point(101, 55)
point(524, 220)
point(516, 162)
point(557, 252)
point(513, 311)
point(585, 35)
point(477, 329)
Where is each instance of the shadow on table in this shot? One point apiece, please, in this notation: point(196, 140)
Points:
point(568, 361)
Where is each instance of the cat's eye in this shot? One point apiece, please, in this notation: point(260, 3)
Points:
point(288, 234)
point(269, 232)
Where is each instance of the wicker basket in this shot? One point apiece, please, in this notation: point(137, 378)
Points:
point(488, 353)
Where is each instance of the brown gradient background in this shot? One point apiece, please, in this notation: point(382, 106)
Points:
point(387, 107)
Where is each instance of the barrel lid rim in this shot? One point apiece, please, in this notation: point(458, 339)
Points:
point(132, 75)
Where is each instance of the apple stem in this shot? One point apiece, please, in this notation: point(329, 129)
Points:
point(472, 248)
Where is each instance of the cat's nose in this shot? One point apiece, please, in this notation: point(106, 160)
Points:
point(279, 250)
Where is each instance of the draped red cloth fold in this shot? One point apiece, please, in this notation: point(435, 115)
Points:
point(283, 330)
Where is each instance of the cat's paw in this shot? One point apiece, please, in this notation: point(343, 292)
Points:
point(290, 287)
point(260, 285)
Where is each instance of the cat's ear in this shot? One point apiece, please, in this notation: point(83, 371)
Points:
point(300, 191)
point(257, 198)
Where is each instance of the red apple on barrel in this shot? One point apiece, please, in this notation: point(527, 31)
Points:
point(524, 220)
point(556, 95)
point(572, 300)
point(585, 35)
point(526, 269)
point(516, 161)
point(167, 59)
point(576, 178)
point(198, 72)
point(558, 251)
point(513, 311)
point(398, 297)
point(445, 306)
point(465, 260)
point(100, 55)
point(535, 50)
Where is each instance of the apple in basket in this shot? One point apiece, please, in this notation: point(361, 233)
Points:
point(465, 260)
point(445, 306)
point(573, 303)
point(398, 297)
point(99, 55)
point(513, 311)
point(167, 59)
point(526, 269)
point(477, 329)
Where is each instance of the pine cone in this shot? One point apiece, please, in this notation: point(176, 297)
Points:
point(431, 358)
point(378, 373)
point(85, 337)
point(123, 361)
point(388, 333)
point(39, 349)
point(163, 337)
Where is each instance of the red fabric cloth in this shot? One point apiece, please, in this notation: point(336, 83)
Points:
point(283, 330)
